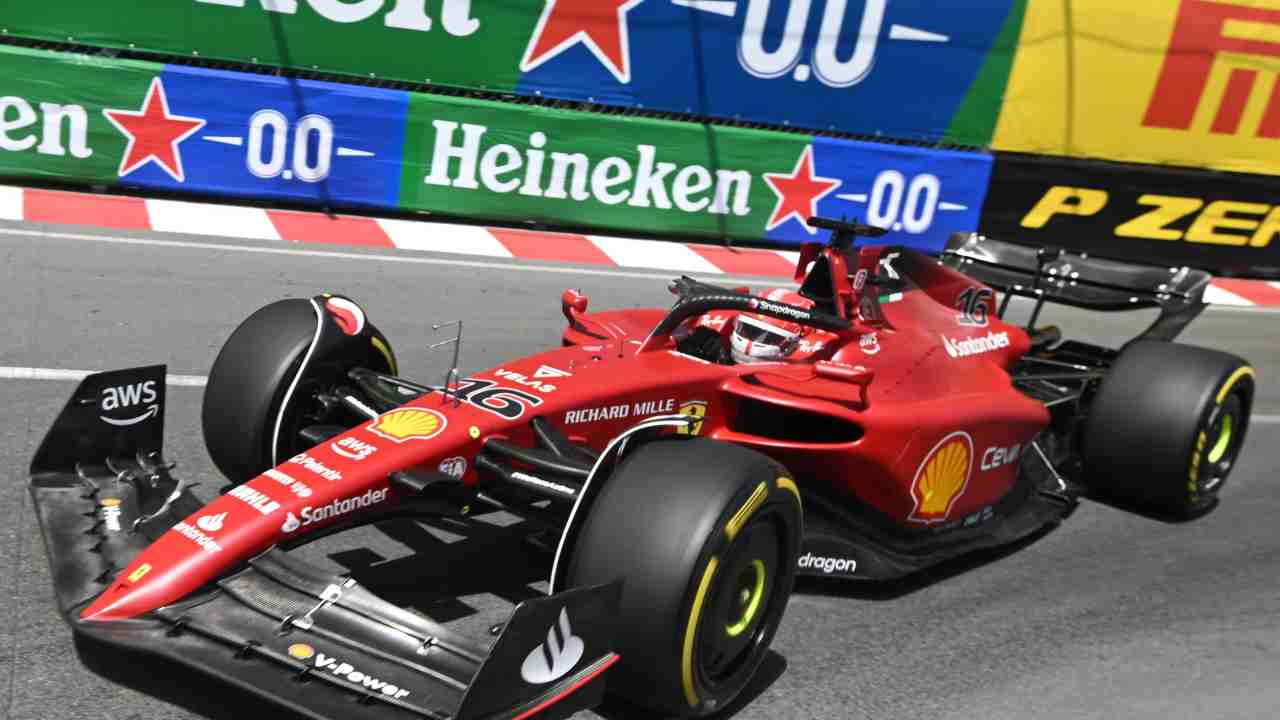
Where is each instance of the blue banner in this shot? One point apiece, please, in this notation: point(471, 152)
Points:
point(920, 195)
point(273, 138)
point(898, 68)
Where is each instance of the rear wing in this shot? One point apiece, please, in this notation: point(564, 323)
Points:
point(1078, 279)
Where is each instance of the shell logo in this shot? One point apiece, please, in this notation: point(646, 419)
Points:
point(301, 651)
point(111, 502)
point(942, 478)
point(409, 424)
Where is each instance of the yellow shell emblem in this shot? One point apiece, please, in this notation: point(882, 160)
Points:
point(409, 424)
point(942, 478)
point(301, 651)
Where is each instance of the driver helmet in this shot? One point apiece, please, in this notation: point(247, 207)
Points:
point(764, 338)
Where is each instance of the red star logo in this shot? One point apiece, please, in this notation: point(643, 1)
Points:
point(153, 133)
point(600, 24)
point(798, 193)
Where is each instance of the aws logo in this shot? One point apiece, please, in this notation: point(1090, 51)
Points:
point(137, 398)
point(1202, 34)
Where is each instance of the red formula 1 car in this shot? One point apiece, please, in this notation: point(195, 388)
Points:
point(691, 461)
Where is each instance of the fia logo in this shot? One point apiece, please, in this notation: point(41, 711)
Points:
point(454, 467)
point(127, 396)
point(553, 659)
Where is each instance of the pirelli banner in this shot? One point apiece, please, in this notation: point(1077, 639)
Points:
point(1227, 223)
point(1177, 82)
point(194, 130)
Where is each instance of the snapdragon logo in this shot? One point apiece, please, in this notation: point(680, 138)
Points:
point(827, 565)
point(787, 310)
point(964, 347)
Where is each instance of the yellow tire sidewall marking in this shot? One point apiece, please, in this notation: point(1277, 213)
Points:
point(744, 513)
point(691, 632)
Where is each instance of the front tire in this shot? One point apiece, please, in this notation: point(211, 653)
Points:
point(1167, 425)
point(705, 536)
point(259, 394)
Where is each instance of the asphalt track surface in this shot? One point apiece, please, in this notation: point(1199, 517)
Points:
point(1111, 615)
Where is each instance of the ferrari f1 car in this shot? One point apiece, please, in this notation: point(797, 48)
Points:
point(689, 462)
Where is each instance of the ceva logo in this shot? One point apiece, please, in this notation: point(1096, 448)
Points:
point(1203, 32)
point(553, 659)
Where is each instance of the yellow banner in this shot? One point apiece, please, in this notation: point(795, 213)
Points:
point(1177, 82)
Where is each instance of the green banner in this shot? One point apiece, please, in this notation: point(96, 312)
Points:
point(522, 162)
point(472, 43)
point(51, 124)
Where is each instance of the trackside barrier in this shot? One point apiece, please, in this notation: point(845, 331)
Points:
point(192, 130)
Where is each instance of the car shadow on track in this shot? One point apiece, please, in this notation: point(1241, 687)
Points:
point(478, 558)
point(771, 668)
point(1136, 508)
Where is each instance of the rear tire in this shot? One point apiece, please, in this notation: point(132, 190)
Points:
point(252, 375)
point(705, 536)
point(1166, 426)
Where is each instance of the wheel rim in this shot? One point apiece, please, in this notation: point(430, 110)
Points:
point(749, 596)
point(1224, 439)
point(740, 609)
point(1225, 432)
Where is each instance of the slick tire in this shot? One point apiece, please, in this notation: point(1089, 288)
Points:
point(705, 537)
point(253, 374)
point(1166, 426)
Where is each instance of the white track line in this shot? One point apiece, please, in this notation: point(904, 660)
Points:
point(515, 266)
point(10, 203)
point(375, 257)
point(34, 373)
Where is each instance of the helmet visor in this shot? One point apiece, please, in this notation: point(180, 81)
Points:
point(761, 333)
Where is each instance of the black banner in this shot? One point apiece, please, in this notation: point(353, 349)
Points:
point(1226, 223)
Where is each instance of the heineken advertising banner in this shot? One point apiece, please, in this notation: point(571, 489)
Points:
point(183, 129)
point(904, 69)
point(1177, 82)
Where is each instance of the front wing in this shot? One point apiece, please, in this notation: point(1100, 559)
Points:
point(287, 631)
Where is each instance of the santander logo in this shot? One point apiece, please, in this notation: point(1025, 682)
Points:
point(211, 523)
point(553, 659)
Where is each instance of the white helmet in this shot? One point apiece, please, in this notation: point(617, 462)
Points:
point(758, 339)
